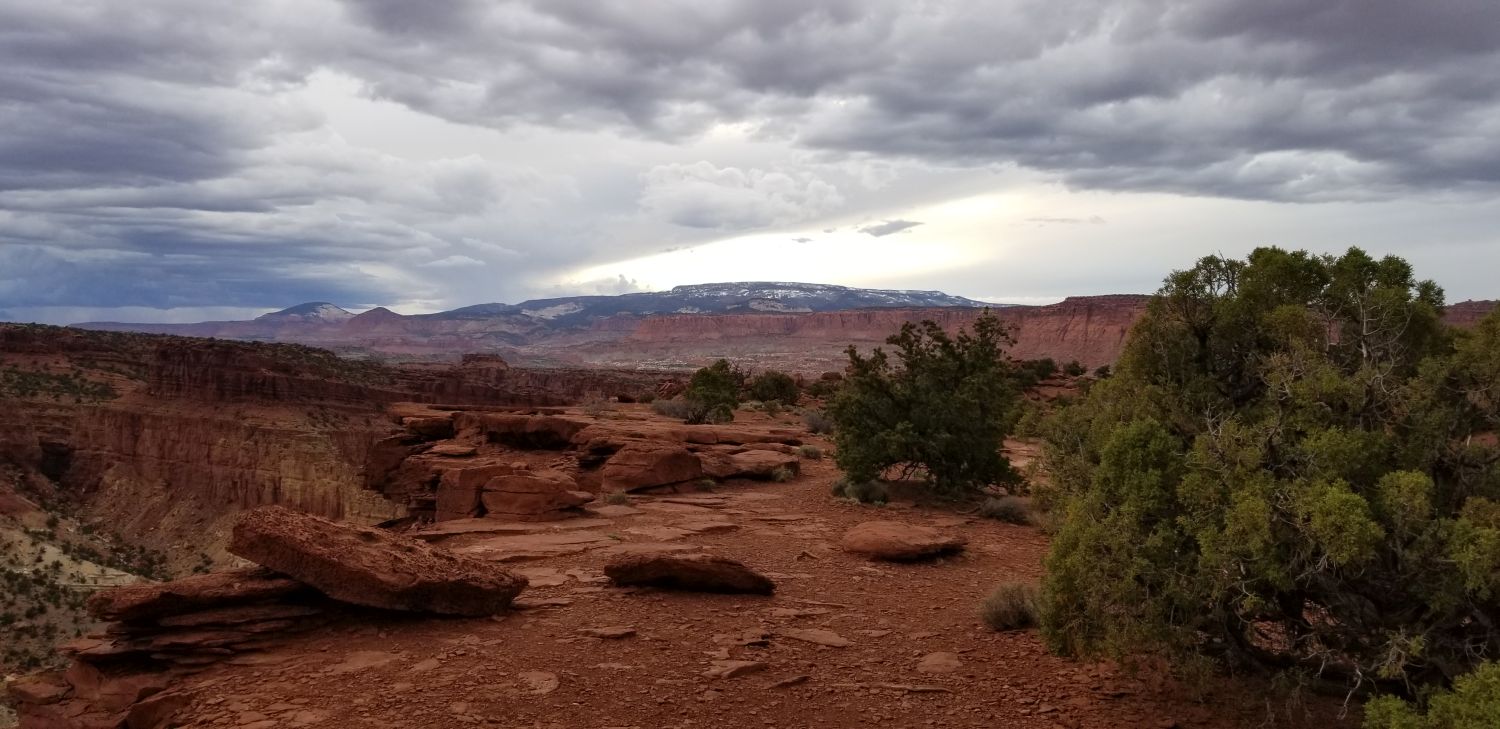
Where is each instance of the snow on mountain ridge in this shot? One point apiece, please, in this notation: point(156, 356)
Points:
point(310, 311)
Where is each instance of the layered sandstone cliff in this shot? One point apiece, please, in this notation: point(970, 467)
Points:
point(1090, 329)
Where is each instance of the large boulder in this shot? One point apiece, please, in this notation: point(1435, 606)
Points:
point(698, 572)
point(372, 567)
point(533, 496)
point(152, 600)
point(460, 490)
point(757, 463)
point(899, 542)
point(647, 464)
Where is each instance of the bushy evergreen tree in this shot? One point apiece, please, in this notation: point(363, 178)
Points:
point(940, 415)
point(713, 393)
point(1293, 466)
point(774, 386)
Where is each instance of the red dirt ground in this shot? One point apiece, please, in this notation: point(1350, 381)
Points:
point(533, 668)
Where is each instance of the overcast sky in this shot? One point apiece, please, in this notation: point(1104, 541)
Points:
point(175, 160)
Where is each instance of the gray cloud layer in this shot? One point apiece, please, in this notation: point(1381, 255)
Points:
point(155, 153)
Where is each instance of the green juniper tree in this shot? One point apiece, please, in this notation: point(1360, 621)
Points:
point(1292, 467)
point(713, 393)
point(942, 414)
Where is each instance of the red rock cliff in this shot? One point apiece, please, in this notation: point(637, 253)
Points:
point(1090, 329)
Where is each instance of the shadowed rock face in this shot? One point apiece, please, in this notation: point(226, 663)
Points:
point(372, 567)
point(699, 572)
point(151, 600)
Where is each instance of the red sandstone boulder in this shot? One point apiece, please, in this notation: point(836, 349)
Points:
point(459, 490)
point(533, 496)
point(151, 600)
point(647, 464)
point(698, 572)
point(899, 542)
point(759, 464)
point(371, 567)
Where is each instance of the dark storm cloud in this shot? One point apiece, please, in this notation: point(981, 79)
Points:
point(1296, 100)
point(151, 153)
point(889, 227)
point(34, 276)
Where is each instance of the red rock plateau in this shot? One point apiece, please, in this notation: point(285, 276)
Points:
point(691, 601)
point(164, 439)
point(1089, 329)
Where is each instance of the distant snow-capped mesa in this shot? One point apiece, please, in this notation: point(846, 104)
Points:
point(311, 312)
point(558, 323)
point(718, 298)
point(574, 311)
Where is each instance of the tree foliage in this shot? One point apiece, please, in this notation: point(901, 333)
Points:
point(774, 386)
point(941, 414)
point(1474, 703)
point(713, 393)
point(1293, 466)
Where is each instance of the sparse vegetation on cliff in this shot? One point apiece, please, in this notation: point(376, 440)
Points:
point(68, 386)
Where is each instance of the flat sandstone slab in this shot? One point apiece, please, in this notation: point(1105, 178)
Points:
point(372, 567)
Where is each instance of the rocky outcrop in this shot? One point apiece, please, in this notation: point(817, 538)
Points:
point(1466, 314)
point(519, 430)
point(122, 677)
point(527, 495)
point(899, 542)
point(756, 464)
point(152, 600)
point(371, 567)
point(650, 464)
point(696, 572)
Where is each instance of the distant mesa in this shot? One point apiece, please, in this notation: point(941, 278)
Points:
point(764, 324)
point(312, 311)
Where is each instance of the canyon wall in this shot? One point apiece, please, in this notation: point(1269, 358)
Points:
point(162, 440)
point(1090, 329)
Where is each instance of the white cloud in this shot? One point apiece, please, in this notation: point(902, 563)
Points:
point(701, 195)
point(453, 262)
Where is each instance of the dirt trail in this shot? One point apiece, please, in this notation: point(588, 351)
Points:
point(539, 667)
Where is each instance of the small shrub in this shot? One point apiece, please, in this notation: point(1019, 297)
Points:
point(811, 453)
point(782, 474)
point(1010, 606)
point(823, 389)
point(647, 398)
point(866, 492)
point(617, 498)
point(1074, 369)
point(817, 423)
point(773, 386)
point(595, 405)
point(706, 484)
point(1008, 509)
point(714, 392)
point(771, 407)
point(676, 408)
